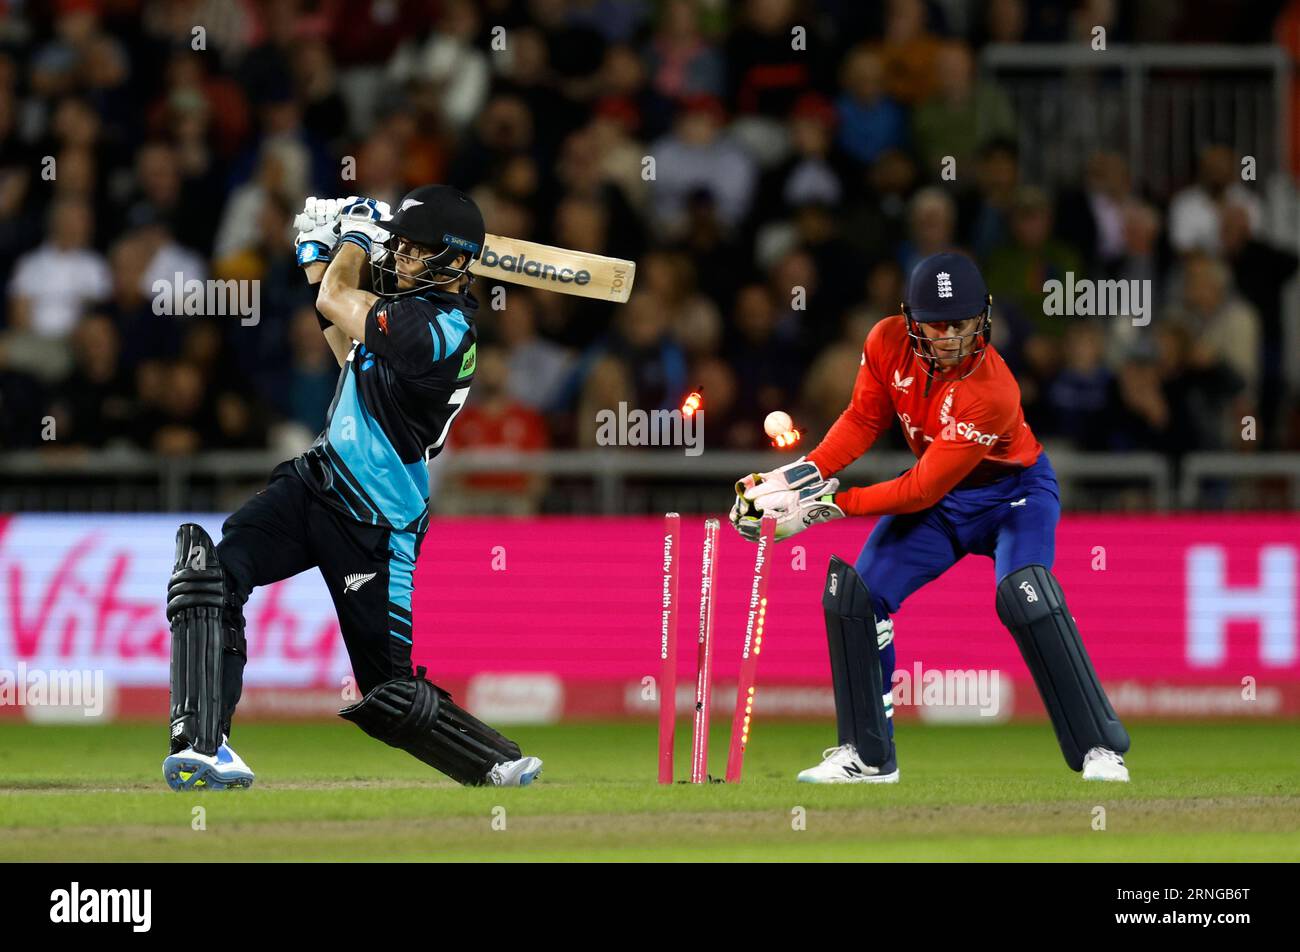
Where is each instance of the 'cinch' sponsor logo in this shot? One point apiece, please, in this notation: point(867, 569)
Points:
point(968, 432)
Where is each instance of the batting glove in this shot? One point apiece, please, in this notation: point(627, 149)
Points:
point(359, 222)
point(317, 226)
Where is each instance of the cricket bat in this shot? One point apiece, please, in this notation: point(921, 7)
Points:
point(555, 269)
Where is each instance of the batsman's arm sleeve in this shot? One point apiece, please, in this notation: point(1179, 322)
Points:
point(862, 421)
point(402, 331)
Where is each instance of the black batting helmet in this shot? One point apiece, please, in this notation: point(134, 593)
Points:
point(435, 217)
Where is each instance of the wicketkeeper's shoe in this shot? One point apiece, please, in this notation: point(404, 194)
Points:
point(516, 773)
point(843, 765)
point(190, 770)
point(1102, 763)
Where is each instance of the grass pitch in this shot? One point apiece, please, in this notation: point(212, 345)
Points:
point(1223, 791)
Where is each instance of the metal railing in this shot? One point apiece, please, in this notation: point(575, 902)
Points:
point(625, 481)
point(1227, 473)
point(1157, 104)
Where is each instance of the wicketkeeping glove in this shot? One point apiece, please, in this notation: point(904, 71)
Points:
point(317, 227)
point(778, 489)
point(359, 222)
point(813, 503)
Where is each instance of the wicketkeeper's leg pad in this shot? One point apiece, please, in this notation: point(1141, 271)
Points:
point(1032, 606)
point(196, 601)
point(417, 716)
point(852, 637)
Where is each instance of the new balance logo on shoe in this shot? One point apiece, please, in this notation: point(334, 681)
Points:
point(852, 770)
point(354, 581)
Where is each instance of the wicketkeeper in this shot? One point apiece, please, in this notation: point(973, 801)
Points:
point(394, 305)
point(982, 484)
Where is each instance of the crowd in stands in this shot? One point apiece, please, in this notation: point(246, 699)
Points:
point(774, 194)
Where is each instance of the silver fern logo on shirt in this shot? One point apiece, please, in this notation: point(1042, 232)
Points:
point(354, 581)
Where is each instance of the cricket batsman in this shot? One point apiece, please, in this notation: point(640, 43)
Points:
point(394, 305)
point(982, 484)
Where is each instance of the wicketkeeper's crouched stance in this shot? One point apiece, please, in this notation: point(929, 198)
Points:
point(355, 505)
point(981, 485)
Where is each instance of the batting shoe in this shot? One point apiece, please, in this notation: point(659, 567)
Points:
point(843, 765)
point(516, 773)
point(190, 770)
point(1102, 763)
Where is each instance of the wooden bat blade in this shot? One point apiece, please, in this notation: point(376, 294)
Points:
point(555, 269)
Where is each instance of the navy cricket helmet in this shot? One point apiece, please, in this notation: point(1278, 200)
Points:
point(439, 218)
point(948, 288)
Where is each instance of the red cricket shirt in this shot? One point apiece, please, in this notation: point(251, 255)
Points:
point(966, 432)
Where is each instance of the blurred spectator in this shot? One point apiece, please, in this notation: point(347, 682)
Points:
point(537, 367)
point(1141, 417)
point(166, 256)
point(1194, 212)
point(96, 402)
point(53, 282)
point(828, 385)
point(870, 121)
point(669, 277)
point(1079, 396)
point(698, 155)
point(813, 172)
point(606, 383)
point(282, 172)
point(1259, 271)
point(23, 405)
point(312, 374)
point(682, 63)
point(720, 260)
point(1201, 390)
point(316, 84)
point(503, 129)
point(961, 116)
point(1224, 326)
point(162, 195)
point(877, 221)
point(1093, 218)
point(932, 226)
point(724, 425)
point(655, 362)
point(448, 61)
point(766, 74)
point(909, 52)
point(884, 290)
point(985, 215)
point(1140, 259)
point(766, 378)
point(1017, 271)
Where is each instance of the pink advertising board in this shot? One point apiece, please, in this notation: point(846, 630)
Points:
point(548, 618)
